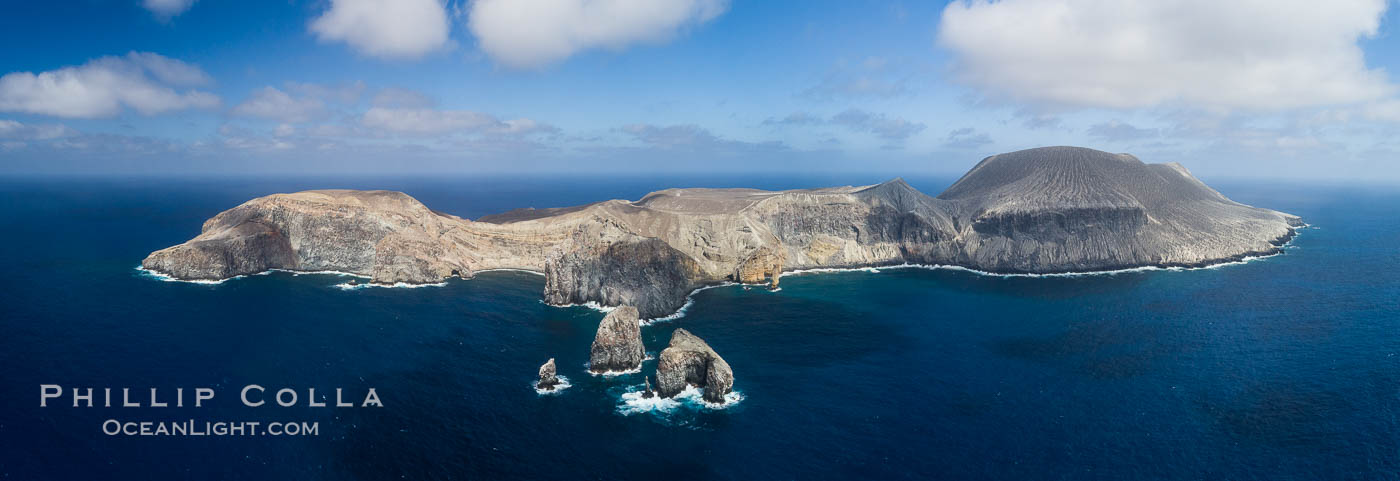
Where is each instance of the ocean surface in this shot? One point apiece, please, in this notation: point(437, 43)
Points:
point(1283, 368)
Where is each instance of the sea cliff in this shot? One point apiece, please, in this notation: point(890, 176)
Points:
point(1046, 210)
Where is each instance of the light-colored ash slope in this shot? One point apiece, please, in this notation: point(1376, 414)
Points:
point(1052, 209)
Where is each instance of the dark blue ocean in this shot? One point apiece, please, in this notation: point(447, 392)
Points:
point(1284, 368)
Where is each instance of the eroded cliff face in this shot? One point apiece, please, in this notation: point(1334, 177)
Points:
point(645, 273)
point(763, 265)
point(1053, 209)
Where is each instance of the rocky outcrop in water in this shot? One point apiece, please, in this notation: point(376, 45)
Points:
point(618, 345)
point(688, 360)
point(1052, 209)
point(548, 379)
point(648, 393)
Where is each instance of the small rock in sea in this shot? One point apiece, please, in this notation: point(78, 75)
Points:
point(548, 379)
point(648, 394)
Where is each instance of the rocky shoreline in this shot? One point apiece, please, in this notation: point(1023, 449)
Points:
point(1037, 212)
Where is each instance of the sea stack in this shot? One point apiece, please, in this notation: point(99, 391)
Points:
point(618, 345)
point(689, 360)
point(548, 378)
point(648, 393)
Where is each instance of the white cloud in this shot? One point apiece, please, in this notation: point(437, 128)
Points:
point(694, 139)
point(874, 77)
point(401, 98)
point(348, 93)
point(169, 70)
point(967, 138)
point(425, 121)
point(271, 103)
point(534, 33)
point(522, 127)
point(1261, 55)
point(141, 81)
point(893, 129)
point(795, 118)
point(1116, 131)
point(391, 29)
point(165, 9)
point(14, 130)
point(1388, 111)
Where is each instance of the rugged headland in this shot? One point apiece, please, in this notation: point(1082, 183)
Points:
point(1045, 210)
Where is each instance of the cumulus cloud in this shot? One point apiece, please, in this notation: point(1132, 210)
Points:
point(517, 127)
point(1252, 55)
point(534, 33)
point(967, 138)
point(1388, 111)
point(795, 118)
point(433, 122)
point(271, 103)
point(689, 138)
point(874, 77)
point(390, 29)
point(401, 98)
point(169, 70)
point(885, 127)
point(348, 93)
point(15, 130)
point(893, 130)
point(672, 136)
point(165, 9)
point(425, 121)
point(146, 82)
point(1038, 120)
point(1114, 130)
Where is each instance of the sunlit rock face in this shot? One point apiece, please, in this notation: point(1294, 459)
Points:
point(617, 347)
point(549, 377)
point(689, 361)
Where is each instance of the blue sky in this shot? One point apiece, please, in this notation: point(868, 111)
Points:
point(1290, 89)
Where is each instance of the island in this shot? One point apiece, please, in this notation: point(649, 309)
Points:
point(1036, 211)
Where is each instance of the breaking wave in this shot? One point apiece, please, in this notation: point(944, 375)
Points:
point(397, 285)
point(507, 269)
point(309, 273)
point(646, 357)
point(563, 384)
point(632, 402)
point(157, 275)
point(590, 305)
point(689, 301)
